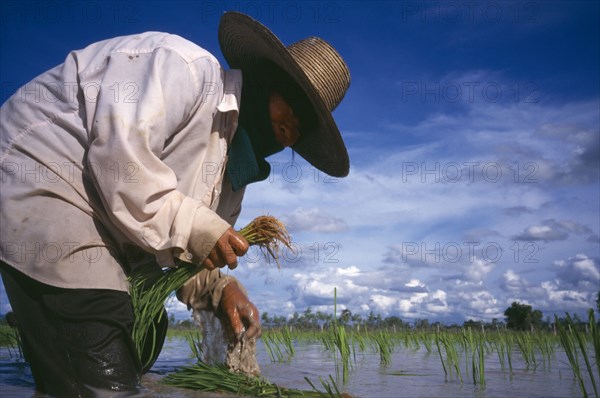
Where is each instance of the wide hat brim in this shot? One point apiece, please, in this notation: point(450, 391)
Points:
point(245, 42)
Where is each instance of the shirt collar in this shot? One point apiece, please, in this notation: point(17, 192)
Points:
point(232, 91)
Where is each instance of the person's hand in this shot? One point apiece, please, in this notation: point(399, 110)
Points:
point(238, 316)
point(228, 248)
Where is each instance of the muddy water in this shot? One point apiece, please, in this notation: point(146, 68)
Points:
point(215, 347)
point(411, 374)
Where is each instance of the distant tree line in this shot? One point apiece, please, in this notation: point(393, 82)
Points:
point(517, 317)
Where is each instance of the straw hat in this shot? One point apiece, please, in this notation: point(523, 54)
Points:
point(314, 65)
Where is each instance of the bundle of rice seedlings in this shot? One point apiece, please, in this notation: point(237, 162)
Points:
point(218, 378)
point(266, 232)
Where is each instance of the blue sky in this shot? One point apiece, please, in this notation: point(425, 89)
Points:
point(473, 134)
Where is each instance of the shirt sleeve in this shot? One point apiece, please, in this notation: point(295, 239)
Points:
point(143, 100)
point(203, 291)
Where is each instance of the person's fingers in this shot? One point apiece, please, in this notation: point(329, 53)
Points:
point(253, 331)
point(226, 253)
point(249, 314)
point(235, 322)
point(216, 258)
point(208, 264)
point(238, 243)
point(226, 250)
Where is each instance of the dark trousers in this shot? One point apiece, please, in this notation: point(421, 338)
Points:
point(76, 341)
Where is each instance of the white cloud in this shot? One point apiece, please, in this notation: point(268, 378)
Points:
point(401, 194)
point(382, 303)
point(478, 270)
point(414, 283)
point(513, 282)
point(579, 271)
point(553, 230)
point(481, 304)
point(566, 299)
point(315, 220)
point(350, 271)
point(541, 233)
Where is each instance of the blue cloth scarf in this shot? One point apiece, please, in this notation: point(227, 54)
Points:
point(243, 166)
point(253, 140)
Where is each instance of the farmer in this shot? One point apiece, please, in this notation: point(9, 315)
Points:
point(133, 155)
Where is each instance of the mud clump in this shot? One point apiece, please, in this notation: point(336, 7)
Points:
point(216, 347)
point(241, 357)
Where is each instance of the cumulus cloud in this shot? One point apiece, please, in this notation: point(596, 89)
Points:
point(569, 226)
point(583, 163)
point(397, 199)
point(578, 271)
point(314, 220)
point(574, 286)
point(318, 287)
point(511, 281)
point(553, 230)
point(481, 304)
point(544, 233)
point(477, 271)
point(565, 299)
point(384, 303)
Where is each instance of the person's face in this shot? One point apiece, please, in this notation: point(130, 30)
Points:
point(286, 125)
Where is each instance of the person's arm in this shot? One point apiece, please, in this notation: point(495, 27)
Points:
point(127, 136)
point(226, 297)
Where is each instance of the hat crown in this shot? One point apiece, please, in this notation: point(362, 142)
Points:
point(317, 69)
point(324, 67)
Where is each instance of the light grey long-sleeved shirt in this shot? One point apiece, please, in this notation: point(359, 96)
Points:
point(124, 144)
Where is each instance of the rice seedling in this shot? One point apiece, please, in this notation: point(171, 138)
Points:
point(272, 348)
point(427, 341)
point(385, 345)
point(148, 304)
point(340, 340)
point(503, 345)
point(274, 340)
point(268, 233)
point(595, 339)
point(148, 297)
point(526, 347)
point(575, 345)
point(361, 340)
point(452, 356)
point(194, 342)
point(218, 378)
point(474, 344)
point(329, 386)
point(11, 339)
point(439, 350)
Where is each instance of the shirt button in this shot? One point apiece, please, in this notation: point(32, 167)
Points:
point(188, 256)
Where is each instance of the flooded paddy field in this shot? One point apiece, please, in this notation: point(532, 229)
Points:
point(411, 370)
